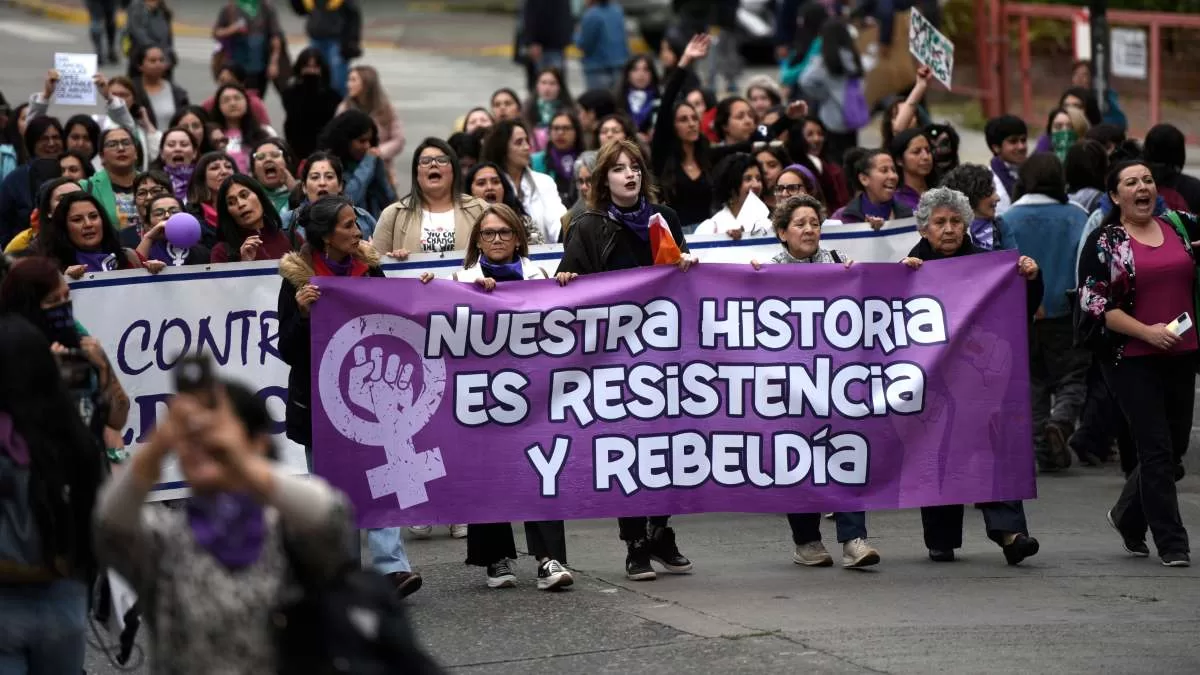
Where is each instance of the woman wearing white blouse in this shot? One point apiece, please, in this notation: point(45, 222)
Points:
point(737, 183)
point(508, 146)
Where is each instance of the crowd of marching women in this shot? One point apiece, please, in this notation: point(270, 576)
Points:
point(158, 181)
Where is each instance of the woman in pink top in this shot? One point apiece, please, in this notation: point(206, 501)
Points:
point(1147, 348)
point(364, 92)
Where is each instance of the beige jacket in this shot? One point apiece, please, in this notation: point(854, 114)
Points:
point(399, 226)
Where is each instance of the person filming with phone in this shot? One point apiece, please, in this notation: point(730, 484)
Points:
point(1147, 349)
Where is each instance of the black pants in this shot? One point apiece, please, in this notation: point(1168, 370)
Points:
point(1058, 373)
point(489, 543)
point(103, 24)
point(1156, 394)
point(943, 525)
point(634, 528)
point(836, 145)
point(1101, 421)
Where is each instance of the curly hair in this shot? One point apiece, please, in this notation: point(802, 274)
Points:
point(940, 198)
point(727, 177)
point(973, 180)
point(783, 213)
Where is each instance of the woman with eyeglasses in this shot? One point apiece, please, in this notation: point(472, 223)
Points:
point(155, 244)
point(508, 146)
point(734, 180)
point(584, 166)
point(211, 171)
point(558, 159)
point(146, 186)
point(272, 165)
point(485, 181)
point(250, 227)
point(436, 217)
point(797, 180)
point(498, 252)
point(113, 186)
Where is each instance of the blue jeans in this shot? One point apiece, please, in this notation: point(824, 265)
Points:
point(806, 527)
point(552, 58)
point(387, 550)
point(339, 68)
point(42, 628)
point(602, 78)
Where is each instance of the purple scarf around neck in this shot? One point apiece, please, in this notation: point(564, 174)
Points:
point(636, 219)
point(561, 163)
point(983, 233)
point(870, 208)
point(340, 269)
point(1004, 173)
point(180, 177)
point(230, 526)
point(509, 271)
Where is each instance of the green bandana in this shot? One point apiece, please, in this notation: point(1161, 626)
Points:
point(1062, 141)
point(546, 110)
point(249, 7)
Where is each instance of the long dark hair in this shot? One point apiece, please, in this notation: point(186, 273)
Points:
point(227, 228)
point(727, 177)
point(495, 145)
point(671, 163)
point(312, 54)
point(1041, 174)
point(510, 196)
point(625, 87)
point(812, 20)
point(12, 135)
point(202, 144)
point(1110, 188)
point(36, 128)
point(565, 102)
point(835, 38)
point(65, 459)
point(456, 179)
point(89, 124)
point(344, 129)
point(252, 131)
point(1091, 107)
point(55, 241)
point(299, 194)
point(198, 190)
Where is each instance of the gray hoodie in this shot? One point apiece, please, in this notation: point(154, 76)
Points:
point(828, 90)
point(148, 27)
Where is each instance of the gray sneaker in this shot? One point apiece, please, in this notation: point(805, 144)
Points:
point(856, 553)
point(812, 554)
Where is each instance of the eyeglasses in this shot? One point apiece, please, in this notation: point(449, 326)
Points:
point(165, 213)
point(561, 128)
point(789, 190)
point(492, 235)
point(147, 193)
point(118, 143)
point(440, 160)
point(582, 182)
point(267, 154)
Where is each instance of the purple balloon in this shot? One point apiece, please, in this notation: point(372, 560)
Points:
point(183, 230)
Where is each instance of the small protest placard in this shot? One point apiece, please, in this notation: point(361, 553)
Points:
point(931, 48)
point(75, 85)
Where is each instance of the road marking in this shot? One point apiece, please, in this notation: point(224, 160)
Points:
point(27, 31)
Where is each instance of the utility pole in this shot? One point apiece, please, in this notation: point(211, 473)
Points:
point(1098, 20)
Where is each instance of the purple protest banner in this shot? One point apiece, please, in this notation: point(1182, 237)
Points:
point(798, 388)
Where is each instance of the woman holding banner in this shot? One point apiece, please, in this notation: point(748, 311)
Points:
point(942, 218)
point(798, 225)
point(334, 248)
point(614, 234)
point(80, 237)
point(498, 251)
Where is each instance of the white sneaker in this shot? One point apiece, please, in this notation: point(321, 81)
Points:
point(856, 553)
point(812, 554)
point(458, 531)
point(421, 531)
point(552, 575)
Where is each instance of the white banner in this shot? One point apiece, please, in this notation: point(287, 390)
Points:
point(146, 323)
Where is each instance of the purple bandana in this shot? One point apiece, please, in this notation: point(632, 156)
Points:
point(229, 526)
point(870, 208)
point(1004, 173)
point(983, 233)
point(509, 271)
point(180, 177)
point(561, 163)
point(640, 113)
point(637, 219)
point(97, 262)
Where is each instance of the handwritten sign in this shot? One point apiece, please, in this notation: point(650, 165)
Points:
point(75, 86)
point(931, 48)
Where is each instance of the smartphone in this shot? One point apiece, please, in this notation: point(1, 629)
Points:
point(1181, 324)
point(194, 375)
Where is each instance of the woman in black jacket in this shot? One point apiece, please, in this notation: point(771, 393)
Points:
point(613, 234)
point(309, 102)
point(334, 248)
point(942, 218)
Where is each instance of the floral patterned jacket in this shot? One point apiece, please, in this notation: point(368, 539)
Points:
point(1108, 281)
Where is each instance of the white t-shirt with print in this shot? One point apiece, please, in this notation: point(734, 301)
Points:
point(437, 231)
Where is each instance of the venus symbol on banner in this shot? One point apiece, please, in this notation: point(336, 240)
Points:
point(386, 388)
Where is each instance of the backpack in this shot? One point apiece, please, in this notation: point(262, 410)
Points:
point(352, 623)
point(855, 111)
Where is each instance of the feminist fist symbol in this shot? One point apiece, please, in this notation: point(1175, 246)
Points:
point(385, 388)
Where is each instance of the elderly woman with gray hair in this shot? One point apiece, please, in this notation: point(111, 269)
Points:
point(798, 225)
point(585, 164)
point(942, 219)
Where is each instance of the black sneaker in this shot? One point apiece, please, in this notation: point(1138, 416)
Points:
point(1134, 547)
point(1020, 548)
point(1176, 560)
point(664, 551)
point(552, 575)
point(406, 583)
point(637, 562)
point(941, 555)
point(500, 575)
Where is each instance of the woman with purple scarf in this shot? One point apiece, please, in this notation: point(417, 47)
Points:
point(913, 156)
point(80, 238)
point(875, 181)
point(639, 92)
point(177, 155)
point(988, 230)
point(209, 577)
point(558, 159)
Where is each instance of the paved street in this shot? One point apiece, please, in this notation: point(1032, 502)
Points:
point(1081, 606)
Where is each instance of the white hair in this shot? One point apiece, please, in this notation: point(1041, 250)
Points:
point(942, 198)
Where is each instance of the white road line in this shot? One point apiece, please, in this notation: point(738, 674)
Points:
point(33, 33)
